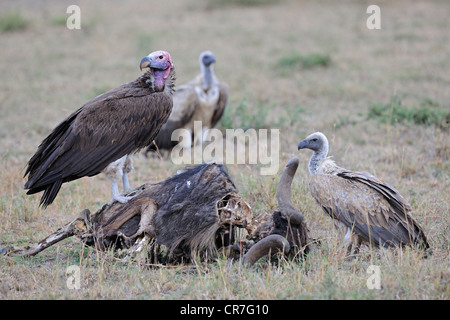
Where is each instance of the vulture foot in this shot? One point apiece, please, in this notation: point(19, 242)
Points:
point(119, 198)
point(116, 196)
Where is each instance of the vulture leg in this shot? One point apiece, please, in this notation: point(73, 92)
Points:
point(198, 138)
point(348, 241)
point(205, 135)
point(187, 139)
point(115, 172)
point(352, 241)
point(126, 183)
point(127, 169)
point(357, 240)
point(116, 196)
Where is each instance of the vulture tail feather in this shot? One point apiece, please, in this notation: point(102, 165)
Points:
point(50, 193)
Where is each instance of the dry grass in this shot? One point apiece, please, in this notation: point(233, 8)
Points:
point(47, 71)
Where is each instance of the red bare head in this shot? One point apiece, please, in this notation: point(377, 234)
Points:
point(160, 64)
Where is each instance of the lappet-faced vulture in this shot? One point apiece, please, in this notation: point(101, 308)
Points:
point(102, 134)
point(202, 99)
point(371, 211)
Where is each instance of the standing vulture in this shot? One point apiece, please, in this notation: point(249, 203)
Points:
point(202, 99)
point(102, 135)
point(370, 210)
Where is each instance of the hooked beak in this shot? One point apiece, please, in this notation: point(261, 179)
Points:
point(302, 144)
point(208, 60)
point(153, 62)
point(145, 63)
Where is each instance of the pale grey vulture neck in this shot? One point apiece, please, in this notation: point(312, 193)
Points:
point(372, 211)
point(206, 61)
point(103, 134)
point(204, 99)
point(319, 144)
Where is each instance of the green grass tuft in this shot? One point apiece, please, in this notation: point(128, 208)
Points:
point(428, 113)
point(12, 21)
point(244, 115)
point(305, 61)
point(241, 115)
point(59, 20)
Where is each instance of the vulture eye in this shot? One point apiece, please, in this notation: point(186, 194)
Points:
point(314, 140)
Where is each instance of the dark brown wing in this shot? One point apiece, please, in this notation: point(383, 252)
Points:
point(185, 102)
point(105, 129)
point(371, 209)
point(221, 104)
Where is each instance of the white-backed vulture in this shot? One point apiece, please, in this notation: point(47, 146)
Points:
point(202, 99)
point(371, 211)
point(104, 132)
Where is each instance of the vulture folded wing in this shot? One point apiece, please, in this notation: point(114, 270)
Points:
point(46, 150)
point(390, 193)
point(364, 209)
point(221, 104)
point(185, 102)
point(103, 130)
point(400, 208)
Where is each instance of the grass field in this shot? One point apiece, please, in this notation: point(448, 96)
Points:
point(381, 96)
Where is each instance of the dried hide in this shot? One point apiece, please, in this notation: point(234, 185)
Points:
point(192, 213)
